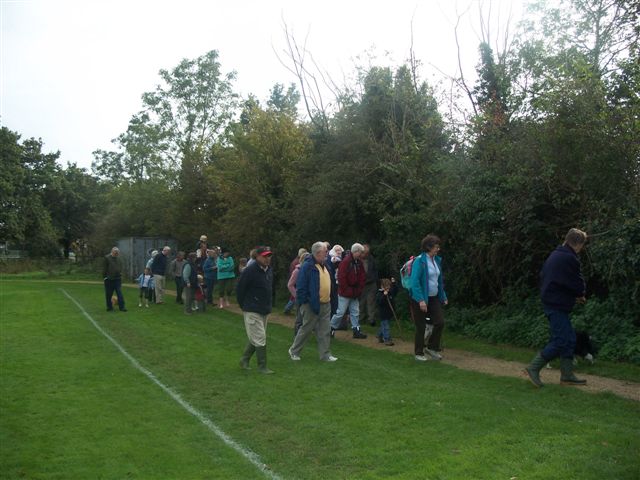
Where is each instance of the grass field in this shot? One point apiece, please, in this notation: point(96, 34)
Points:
point(73, 407)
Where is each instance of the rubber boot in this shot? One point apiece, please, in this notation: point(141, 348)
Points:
point(261, 353)
point(566, 373)
point(246, 356)
point(533, 370)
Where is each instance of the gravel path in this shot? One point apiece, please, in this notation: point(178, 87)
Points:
point(480, 363)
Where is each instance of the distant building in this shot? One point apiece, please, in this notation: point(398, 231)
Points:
point(136, 251)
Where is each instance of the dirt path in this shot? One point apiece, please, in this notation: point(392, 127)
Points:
point(479, 363)
point(468, 360)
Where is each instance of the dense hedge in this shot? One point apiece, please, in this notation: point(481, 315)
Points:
point(610, 324)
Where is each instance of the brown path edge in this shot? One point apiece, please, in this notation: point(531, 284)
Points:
point(458, 358)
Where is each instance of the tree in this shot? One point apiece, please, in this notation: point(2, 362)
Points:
point(26, 175)
point(73, 200)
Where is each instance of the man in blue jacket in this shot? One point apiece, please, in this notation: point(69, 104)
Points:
point(560, 287)
point(313, 296)
point(253, 292)
point(158, 269)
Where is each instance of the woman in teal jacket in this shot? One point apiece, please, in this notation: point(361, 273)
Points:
point(226, 274)
point(427, 296)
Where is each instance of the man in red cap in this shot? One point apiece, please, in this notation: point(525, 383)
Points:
point(253, 292)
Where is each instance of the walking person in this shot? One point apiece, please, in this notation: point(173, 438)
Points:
point(112, 276)
point(368, 297)
point(313, 297)
point(253, 292)
point(351, 278)
point(159, 269)
point(226, 274)
point(145, 284)
point(426, 298)
point(190, 280)
point(200, 295)
point(175, 270)
point(210, 269)
point(335, 257)
point(292, 266)
point(291, 285)
point(561, 286)
point(385, 298)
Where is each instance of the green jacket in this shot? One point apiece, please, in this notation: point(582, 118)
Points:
point(112, 269)
point(226, 268)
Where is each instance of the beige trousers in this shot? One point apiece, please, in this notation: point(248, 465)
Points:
point(256, 327)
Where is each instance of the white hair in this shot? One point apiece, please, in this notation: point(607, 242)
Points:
point(357, 247)
point(316, 247)
point(336, 250)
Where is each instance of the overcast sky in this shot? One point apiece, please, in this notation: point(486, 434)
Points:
point(73, 72)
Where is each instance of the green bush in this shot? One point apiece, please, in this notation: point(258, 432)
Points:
point(609, 324)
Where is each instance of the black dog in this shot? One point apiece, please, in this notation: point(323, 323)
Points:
point(585, 348)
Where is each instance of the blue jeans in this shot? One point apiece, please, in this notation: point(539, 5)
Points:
point(210, 286)
point(563, 338)
point(111, 286)
point(384, 331)
point(344, 304)
point(289, 305)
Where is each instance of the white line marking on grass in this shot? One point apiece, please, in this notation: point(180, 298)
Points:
point(245, 452)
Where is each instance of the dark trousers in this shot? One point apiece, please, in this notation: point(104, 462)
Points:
point(368, 309)
point(179, 289)
point(111, 286)
point(436, 318)
point(189, 296)
point(210, 286)
point(563, 338)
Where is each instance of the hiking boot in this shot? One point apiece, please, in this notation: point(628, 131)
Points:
point(566, 373)
point(533, 370)
point(246, 356)
point(358, 334)
point(389, 343)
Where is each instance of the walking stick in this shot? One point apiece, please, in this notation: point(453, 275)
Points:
point(395, 316)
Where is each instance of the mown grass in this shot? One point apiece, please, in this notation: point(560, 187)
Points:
point(72, 406)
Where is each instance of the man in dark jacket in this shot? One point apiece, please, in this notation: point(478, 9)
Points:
point(560, 287)
point(313, 296)
point(112, 276)
point(253, 292)
point(158, 269)
point(351, 278)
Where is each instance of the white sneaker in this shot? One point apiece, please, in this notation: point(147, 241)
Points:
point(435, 355)
point(421, 358)
point(330, 358)
point(293, 357)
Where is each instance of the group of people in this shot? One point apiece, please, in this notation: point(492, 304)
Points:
point(323, 275)
point(329, 285)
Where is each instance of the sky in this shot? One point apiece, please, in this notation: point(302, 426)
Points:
point(72, 72)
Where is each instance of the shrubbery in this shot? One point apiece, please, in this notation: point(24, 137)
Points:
point(523, 323)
